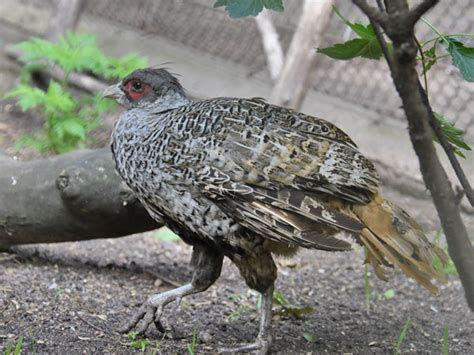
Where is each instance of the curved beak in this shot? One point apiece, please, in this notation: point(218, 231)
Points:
point(113, 92)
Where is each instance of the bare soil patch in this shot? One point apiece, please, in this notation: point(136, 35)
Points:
point(70, 298)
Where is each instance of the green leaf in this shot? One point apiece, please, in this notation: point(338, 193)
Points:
point(242, 8)
point(358, 47)
point(288, 309)
point(366, 45)
point(389, 294)
point(453, 134)
point(463, 58)
point(36, 49)
point(308, 336)
point(165, 235)
point(363, 31)
point(28, 96)
point(58, 101)
point(73, 127)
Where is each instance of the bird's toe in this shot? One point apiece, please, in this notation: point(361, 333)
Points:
point(260, 346)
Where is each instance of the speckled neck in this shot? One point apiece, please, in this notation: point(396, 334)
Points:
point(170, 100)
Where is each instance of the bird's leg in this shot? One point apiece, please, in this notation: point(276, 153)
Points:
point(264, 338)
point(259, 273)
point(207, 267)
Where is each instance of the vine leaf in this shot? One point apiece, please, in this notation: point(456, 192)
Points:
point(453, 134)
point(366, 45)
point(357, 47)
point(242, 8)
point(463, 58)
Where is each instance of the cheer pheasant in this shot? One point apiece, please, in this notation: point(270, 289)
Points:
point(245, 179)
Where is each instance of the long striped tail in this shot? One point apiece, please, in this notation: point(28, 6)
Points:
point(393, 238)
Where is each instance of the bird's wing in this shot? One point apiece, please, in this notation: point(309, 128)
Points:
point(291, 177)
point(285, 214)
point(275, 146)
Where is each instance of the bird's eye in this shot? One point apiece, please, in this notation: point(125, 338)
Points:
point(137, 86)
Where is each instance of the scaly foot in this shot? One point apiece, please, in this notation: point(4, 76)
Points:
point(151, 311)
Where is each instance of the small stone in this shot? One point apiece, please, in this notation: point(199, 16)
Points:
point(205, 337)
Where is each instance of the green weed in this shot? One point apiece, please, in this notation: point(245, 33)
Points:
point(445, 349)
point(401, 337)
point(142, 343)
point(67, 119)
point(18, 346)
point(192, 346)
point(285, 308)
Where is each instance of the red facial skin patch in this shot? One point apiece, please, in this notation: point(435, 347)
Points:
point(135, 89)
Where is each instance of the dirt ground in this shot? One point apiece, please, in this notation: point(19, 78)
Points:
point(70, 297)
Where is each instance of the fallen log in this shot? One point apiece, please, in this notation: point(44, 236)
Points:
point(75, 196)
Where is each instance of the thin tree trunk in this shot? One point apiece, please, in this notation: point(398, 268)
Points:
point(271, 43)
point(64, 17)
point(294, 79)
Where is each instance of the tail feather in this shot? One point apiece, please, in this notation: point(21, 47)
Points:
point(393, 238)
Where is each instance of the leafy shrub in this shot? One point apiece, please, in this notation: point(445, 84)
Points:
point(68, 119)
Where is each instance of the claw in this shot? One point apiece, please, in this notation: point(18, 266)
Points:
point(178, 302)
point(151, 311)
point(159, 326)
point(133, 321)
point(146, 321)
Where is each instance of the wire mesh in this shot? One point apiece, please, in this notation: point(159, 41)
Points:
point(196, 24)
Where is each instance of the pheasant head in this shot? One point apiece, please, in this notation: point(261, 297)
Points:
point(150, 89)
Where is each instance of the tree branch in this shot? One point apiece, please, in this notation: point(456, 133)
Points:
point(75, 196)
point(372, 12)
point(64, 17)
point(420, 10)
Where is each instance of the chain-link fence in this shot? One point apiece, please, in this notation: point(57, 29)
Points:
point(194, 23)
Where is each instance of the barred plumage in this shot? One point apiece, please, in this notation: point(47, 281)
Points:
point(245, 179)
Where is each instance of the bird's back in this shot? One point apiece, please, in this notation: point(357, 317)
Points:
point(227, 167)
